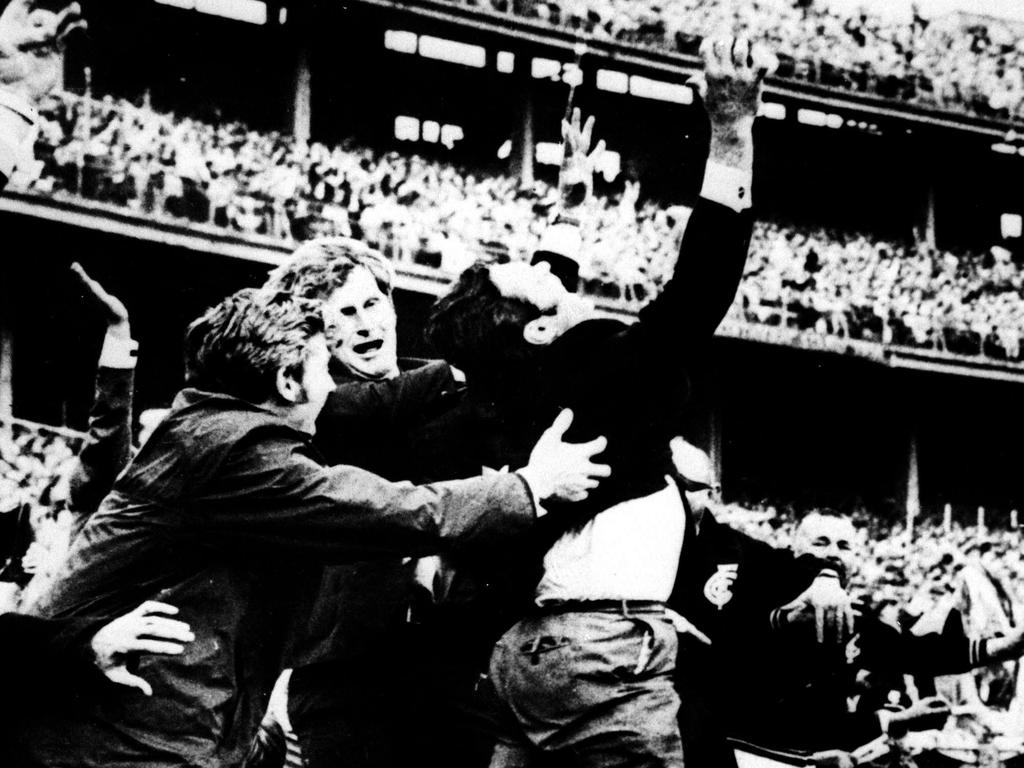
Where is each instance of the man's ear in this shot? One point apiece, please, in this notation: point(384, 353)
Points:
point(540, 331)
point(289, 388)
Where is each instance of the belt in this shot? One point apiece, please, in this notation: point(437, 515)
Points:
point(624, 607)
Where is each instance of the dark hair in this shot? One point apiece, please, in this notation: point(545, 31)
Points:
point(237, 347)
point(320, 267)
point(477, 329)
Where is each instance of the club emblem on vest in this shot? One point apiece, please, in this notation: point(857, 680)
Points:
point(718, 589)
point(852, 649)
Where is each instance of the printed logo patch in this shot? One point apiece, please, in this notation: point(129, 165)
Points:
point(718, 589)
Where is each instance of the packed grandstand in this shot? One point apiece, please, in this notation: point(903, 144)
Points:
point(952, 62)
point(416, 210)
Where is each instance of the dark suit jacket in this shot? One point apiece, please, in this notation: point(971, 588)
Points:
point(210, 516)
point(626, 382)
point(358, 609)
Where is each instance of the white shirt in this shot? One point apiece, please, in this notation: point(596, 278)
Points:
point(628, 552)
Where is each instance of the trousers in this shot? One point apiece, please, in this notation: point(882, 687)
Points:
point(588, 689)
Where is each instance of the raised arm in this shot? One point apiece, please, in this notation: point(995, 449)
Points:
point(107, 447)
point(715, 244)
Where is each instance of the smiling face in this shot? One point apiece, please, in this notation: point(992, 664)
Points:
point(361, 326)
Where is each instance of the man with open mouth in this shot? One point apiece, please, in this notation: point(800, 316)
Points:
point(348, 639)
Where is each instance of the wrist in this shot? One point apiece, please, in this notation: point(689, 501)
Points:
point(733, 144)
point(121, 329)
point(536, 487)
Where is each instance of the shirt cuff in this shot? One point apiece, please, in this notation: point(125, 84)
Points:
point(538, 510)
point(727, 186)
point(118, 352)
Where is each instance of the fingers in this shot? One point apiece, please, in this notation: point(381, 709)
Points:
point(599, 470)
point(115, 309)
point(154, 606)
point(763, 61)
point(122, 676)
point(593, 447)
point(167, 629)
point(740, 54)
point(69, 20)
point(732, 57)
point(593, 157)
point(559, 426)
point(163, 647)
point(97, 290)
point(707, 53)
point(588, 132)
point(722, 49)
point(700, 84)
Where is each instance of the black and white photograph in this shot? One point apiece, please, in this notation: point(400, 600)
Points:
point(511, 383)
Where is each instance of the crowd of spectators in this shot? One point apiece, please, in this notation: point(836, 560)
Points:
point(35, 463)
point(955, 63)
point(828, 283)
point(912, 572)
point(854, 286)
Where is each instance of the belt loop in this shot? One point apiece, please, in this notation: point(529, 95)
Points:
point(625, 609)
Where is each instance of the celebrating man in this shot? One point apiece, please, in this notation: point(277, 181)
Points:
point(221, 503)
point(588, 671)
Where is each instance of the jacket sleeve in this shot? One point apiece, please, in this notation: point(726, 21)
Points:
point(107, 447)
point(708, 271)
point(280, 500)
point(887, 649)
point(419, 394)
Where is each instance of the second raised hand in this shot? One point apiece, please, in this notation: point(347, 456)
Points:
point(576, 177)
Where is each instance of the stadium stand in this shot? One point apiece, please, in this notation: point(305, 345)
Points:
point(834, 284)
point(953, 62)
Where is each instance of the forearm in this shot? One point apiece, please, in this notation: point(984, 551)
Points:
point(107, 448)
point(343, 513)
